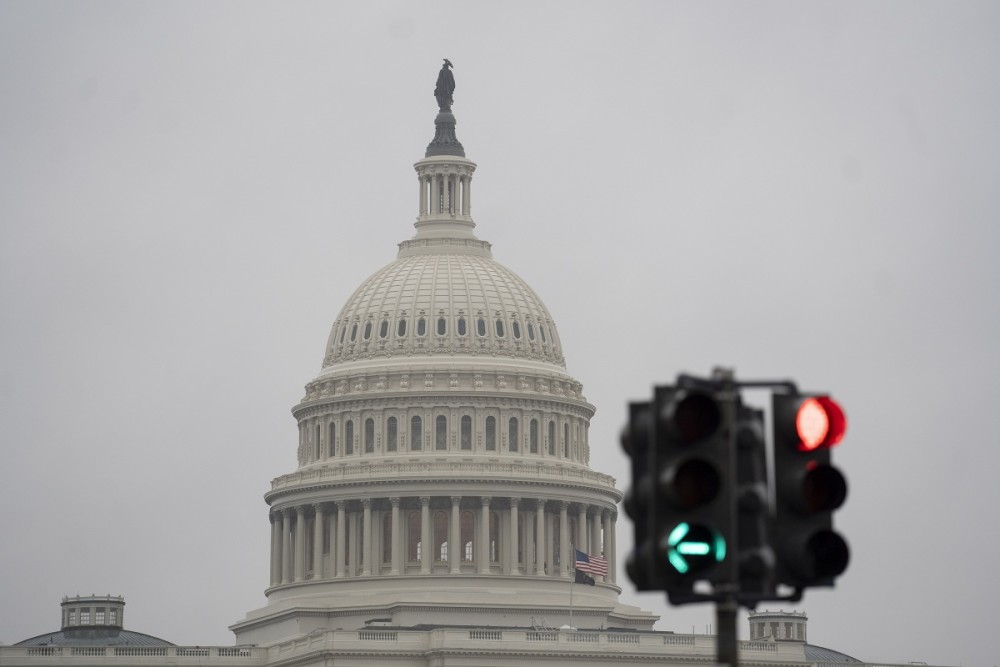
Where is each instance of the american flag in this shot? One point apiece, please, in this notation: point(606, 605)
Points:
point(594, 565)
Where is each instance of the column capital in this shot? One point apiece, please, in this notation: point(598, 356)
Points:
point(318, 507)
point(540, 503)
point(274, 516)
point(366, 503)
point(394, 501)
point(564, 505)
point(425, 501)
point(300, 510)
point(455, 500)
point(485, 500)
point(514, 501)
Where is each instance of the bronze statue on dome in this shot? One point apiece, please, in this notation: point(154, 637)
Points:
point(445, 87)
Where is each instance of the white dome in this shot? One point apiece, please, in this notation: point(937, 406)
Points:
point(444, 299)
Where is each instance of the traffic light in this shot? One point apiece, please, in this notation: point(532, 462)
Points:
point(808, 489)
point(641, 498)
point(694, 478)
point(755, 556)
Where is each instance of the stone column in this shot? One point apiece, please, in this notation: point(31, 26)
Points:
point(550, 543)
point(606, 518)
point(397, 538)
point(564, 539)
point(366, 547)
point(582, 543)
point(423, 194)
point(595, 534)
point(484, 537)
point(455, 537)
point(467, 195)
point(341, 537)
point(426, 548)
point(515, 567)
point(540, 538)
point(286, 546)
point(300, 543)
point(611, 548)
point(353, 543)
point(318, 542)
point(275, 518)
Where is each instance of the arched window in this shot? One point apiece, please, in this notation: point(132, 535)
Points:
point(515, 329)
point(512, 434)
point(391, 434)
point(531, 331)
point(480, 327)
point(354, 332)
point(416, 434)
point(401, 327)
point(421, 327)
point(541, 329)
point(441, 432)
point(533, 435)
point(368, 329)
point(383, 329)
point(499, 328)
point(461, 327)
point(466, 432)
point(468, 529)
point(331, 441)
point(552, 438)
point(491, 434)
point(440, 535)
point(369, 436)
point(442, 326)
point(349, 437)
point(413, 537)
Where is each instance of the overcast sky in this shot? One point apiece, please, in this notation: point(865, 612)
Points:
point(189, 192)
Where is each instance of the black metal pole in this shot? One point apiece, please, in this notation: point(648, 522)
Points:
point(725, 620)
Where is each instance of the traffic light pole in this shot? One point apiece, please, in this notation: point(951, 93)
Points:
point(725, 619)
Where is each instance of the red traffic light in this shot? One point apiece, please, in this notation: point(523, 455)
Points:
point(819, 422)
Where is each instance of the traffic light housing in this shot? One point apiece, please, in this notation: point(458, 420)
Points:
point(641, 498)
point(692, 523)
point(808, 490)
point(754, 553)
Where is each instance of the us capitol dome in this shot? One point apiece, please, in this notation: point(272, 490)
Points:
point(443, 448)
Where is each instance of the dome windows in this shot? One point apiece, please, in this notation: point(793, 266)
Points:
point(531, 331)
point(499, 328)
point(354, 332)
point(515, 328)
point(368, 329)
point(491, 434)
point(462, 327)
point(391, 434)
point(441, 432)
point(416, 433)
point(343, 333)
point(383, 329)
point(442, 326)
point(512, 434)
point(541, 330)
point(480, 327)
point(401, 327)
point(466, 432)
point(369, 436)
point(422, 326)
point(349, 437)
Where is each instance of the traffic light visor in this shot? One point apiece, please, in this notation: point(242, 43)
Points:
point(819, 422)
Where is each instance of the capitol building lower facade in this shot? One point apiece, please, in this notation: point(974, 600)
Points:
point(443, 493)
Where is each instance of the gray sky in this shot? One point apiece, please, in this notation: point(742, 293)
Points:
point(190, 191)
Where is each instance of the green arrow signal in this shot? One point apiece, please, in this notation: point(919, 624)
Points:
point(705, 542)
